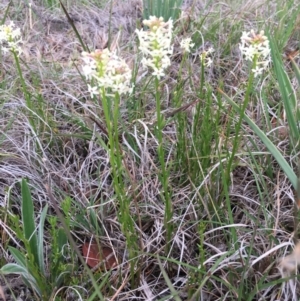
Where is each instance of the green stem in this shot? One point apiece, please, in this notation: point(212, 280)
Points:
point(25, 91)
point(241, 117)
point(236, 144)
point(111, 113)
point(164, 176)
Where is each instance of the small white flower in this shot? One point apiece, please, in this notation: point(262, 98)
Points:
point(208, 62)
point(257, 71)
point(93, 90)
point(187, 44)
point(210, 50)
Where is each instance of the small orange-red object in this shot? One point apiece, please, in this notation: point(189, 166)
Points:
point(95, 255)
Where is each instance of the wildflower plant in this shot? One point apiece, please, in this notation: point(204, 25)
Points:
point(254, 48)
point(156, 47)
point(109, 77)
point(10, 41)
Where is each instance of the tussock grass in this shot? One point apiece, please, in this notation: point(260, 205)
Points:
point(231, 200)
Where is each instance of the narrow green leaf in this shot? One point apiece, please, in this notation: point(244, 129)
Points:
point(296, 69)
point(102, 284)
point(71, 22)
point(6, 13)
point(41, 240)
point(28, 222)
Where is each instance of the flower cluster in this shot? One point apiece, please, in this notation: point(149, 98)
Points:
point(107, 71)
point(186, 44)
point(10, 38)
point(255, 47)
point(155, 44)
point(205, 56)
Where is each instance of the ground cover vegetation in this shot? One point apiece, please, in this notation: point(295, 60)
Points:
point(149, 150)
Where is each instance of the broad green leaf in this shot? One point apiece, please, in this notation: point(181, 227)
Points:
point(14, 268)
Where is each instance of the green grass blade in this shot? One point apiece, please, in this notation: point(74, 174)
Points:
point(71, 22)
point(296, 69)
point(286, 91)
point(102, 284)
point(6, 13)
point(168, 281)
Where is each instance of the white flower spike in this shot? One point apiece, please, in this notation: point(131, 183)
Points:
point(155, 45)
point(186, 44)
point(107, 71)
point(205, 57)
point(256, 46)
point(10, 38)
